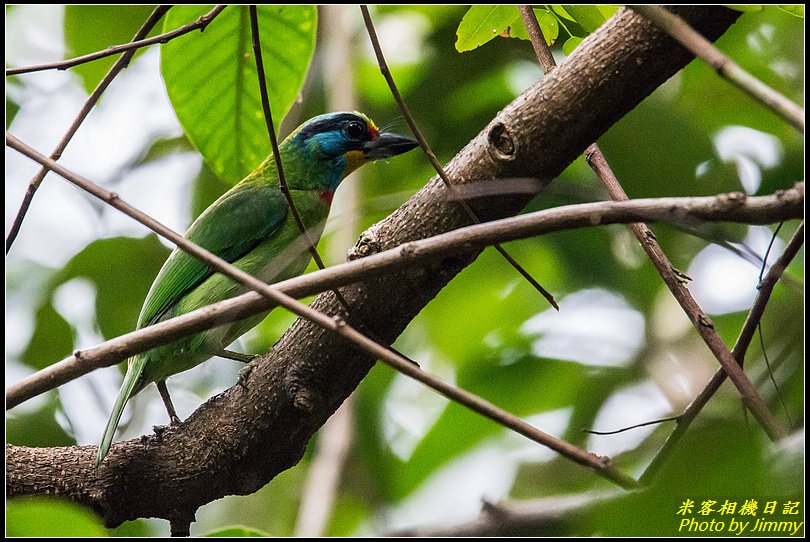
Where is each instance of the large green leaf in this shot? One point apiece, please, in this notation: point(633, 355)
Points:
point(91, 28)
point(49, 517)
point(590, 17)
point(212, 81)
point(481, 24)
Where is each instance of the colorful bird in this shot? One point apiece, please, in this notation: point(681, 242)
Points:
point(251, 227)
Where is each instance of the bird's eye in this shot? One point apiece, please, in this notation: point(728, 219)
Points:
point(355, 130)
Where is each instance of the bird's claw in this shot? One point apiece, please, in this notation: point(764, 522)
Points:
point(160, 430)
point(243, 375)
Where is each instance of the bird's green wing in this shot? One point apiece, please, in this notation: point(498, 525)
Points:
point(229, 228)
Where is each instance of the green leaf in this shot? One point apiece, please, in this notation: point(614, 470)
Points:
point(588, 17)
point(53, 338)
point(571, 44)
point(746, 8)
point(48, 517)
point(91, 28)
point(213, 85)
point(109, 264)
point(39, 428)
point(559, 10)
point(796, 10)
point(14, 89)
point(548, 24)
point(482, 23)
point(239, 531)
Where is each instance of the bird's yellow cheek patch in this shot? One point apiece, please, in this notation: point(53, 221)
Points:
point(354, 159)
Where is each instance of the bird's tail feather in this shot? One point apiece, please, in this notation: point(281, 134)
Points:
point(127, 390)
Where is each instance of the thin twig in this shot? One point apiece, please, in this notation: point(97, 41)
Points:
point(544, 55)
point(770, 370)
point(750, 210)
point(282, 180)
point(723, 65)
point(629, 427)
point(386, 72)
point(200, 23)
point(740, 348)
point(521, 518)
point(330, 463)
point(601, 465)
point(91, 101)
point(271, 131)
point(674, 281)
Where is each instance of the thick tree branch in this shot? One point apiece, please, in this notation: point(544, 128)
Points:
point(243, 437)
point(732, 207)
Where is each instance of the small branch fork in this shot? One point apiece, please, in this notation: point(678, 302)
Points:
point(699, 319)
point(120, 64)
point(62, 65)
point(765, 287)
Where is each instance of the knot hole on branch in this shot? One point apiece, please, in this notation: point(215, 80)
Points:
point(501, 144)
point(365, 246)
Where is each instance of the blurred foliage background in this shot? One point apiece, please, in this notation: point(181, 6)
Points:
point(620, 352)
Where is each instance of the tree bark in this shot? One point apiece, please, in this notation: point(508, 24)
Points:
point(240, 439)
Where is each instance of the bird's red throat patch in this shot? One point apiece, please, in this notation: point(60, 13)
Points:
point(326, 195)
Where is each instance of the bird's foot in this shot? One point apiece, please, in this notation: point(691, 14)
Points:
point(160, 430)
point(243, 375)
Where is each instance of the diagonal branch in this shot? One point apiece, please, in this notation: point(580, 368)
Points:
point(766, 286)
point(734, 207)
point(199, 24)
point(723, 65)
point(671, 277)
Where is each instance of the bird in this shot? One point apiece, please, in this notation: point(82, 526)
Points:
point(252, 227)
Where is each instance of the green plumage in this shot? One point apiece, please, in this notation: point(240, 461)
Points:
point(251, 227)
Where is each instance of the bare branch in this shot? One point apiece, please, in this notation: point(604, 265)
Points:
point(91, 101)
point(544, 56)
point(520, 518)
point(199, 24)
point(740, 348)
point(733, 207)
point(670, 276)
point(723, 65)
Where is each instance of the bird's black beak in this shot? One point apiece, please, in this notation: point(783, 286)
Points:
point(387, 145)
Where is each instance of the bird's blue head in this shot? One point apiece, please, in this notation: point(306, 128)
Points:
point(329, 147)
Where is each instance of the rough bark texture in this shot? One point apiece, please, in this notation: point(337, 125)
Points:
point(239, 440)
